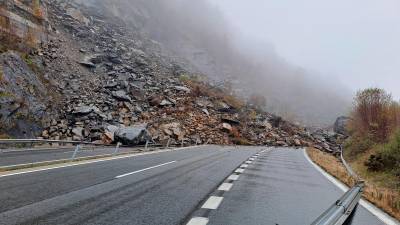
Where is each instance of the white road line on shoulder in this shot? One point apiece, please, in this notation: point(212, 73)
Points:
point(142, 170)
point(233, 177)
point(381, 215)
point(239, 171)
point(96, 161)
point(244, 166)
point(225, 187)
point(212, 202)
point(198, 221)
point(249, 162)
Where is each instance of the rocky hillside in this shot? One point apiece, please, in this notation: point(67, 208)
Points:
point(97, 79)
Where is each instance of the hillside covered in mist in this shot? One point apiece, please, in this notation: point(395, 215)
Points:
point(197, 32)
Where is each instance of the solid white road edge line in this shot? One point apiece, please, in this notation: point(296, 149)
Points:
point(198, 221)
point(212, 202)
point(95, 161)
point(142, 170)
point(381, 215)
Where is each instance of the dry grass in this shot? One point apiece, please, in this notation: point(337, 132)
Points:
point(4, 136)
point(385, 198)
point(331, 164)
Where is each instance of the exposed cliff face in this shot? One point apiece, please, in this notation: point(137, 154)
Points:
point(22, 23)
point(23, 97)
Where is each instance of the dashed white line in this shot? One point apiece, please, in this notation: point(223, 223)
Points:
point(249, 162)
point(148, 168)
point(212, 202)
point(198, 221)
point(239, 171)
point(225, 187)
point(244, 166)
point(233, 177)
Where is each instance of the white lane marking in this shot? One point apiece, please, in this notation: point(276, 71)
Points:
point(96, 161)
point(239, 171)
point(212, 202)
point(244, 166)
point(198, 221)
point(233, 177)
point(381, 215)
point(252, 159)
point(248, 162)
point(225, 187)
point(142, 170)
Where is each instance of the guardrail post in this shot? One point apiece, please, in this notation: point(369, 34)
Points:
point(147, 145)
point(117, 148)
point(169, 141)
point(182, 143)
point(197, 141)
point(75, 152)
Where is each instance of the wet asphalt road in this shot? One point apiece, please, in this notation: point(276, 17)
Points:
point(17, 157)
point(280, 187)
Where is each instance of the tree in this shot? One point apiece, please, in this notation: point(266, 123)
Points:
point(374, 114)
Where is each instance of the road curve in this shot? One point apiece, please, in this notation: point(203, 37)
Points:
point(280, 188)
point(277, 187)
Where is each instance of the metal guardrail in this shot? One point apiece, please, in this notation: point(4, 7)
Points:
point(28, 141)
point(78, 144)
point(339, 212)
point(348, 167)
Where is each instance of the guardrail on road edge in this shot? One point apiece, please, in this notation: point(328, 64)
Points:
point(340, 211)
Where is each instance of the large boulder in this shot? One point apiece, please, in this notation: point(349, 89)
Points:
point(340, 125)
point(133, 135)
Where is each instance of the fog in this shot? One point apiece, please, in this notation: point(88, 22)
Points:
point(307, 58)
point(355, 42)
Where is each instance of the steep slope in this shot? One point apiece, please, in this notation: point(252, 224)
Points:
point(96, 73)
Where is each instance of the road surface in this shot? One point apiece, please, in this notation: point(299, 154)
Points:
point(17, 157)
point(176, 187)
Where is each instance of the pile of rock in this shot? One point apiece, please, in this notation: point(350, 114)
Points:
point(112, 84)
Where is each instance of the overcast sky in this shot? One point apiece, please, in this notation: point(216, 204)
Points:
point(356, 42)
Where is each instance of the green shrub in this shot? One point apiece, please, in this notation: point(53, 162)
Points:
point(387, 157)
point(358, 144)
point(4, 94)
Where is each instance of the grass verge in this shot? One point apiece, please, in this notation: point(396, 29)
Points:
point(385, 198)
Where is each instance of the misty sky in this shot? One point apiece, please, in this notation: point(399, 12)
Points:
point(357, 42)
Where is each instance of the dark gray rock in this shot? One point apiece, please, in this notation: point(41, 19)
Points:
point(340, 125)
point(121, 95)
point(22, 96)
point(182, 88)
point(133, 135)
point(85, 110)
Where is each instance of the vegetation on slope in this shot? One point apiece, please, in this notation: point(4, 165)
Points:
point(383, 197)
point(374, 145)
